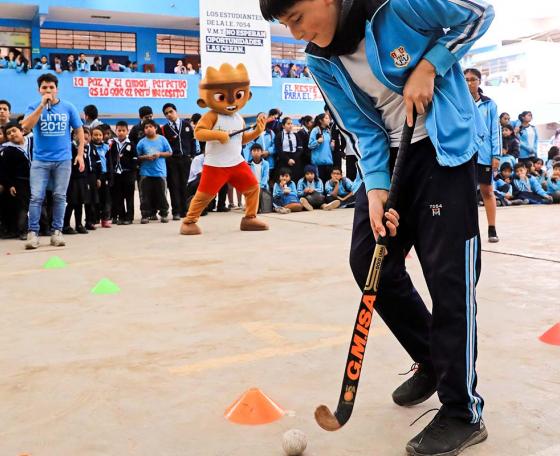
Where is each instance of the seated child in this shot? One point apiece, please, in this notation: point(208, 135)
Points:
point(540, 172)
point(284, 194)
point(553, 157)
point(553, 187)
point(310, 189)
point(338, 190)
point(528, 187)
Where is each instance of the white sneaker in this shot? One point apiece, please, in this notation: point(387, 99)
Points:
point(282, 210)
point(57, 240)
point(32, 241)
point(306, 204)
point(332, 205)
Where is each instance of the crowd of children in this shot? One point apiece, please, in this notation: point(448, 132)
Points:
point(297, 170)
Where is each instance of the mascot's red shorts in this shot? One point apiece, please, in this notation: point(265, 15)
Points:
point(213, 178)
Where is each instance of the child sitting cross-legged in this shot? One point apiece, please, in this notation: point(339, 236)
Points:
point(553, 183)
point(284, 194)
point(528, 187)
point(338, 190)
point(503, 188)
point(310, 189)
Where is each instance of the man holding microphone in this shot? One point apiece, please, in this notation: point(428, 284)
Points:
point(52, 121)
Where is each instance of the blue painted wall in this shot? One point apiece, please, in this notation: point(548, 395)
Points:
point(263, 99)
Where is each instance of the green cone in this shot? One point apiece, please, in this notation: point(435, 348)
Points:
point(54, 262)
point(105, 286)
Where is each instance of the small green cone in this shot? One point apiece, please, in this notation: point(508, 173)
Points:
point(105, 286)
point(54, 262)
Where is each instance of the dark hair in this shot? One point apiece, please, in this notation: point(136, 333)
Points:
point(285, 119)
point(477, 73)
point(47, 77)
point(122, 123)
point(91, 111)
point(318, 119)
point(336, 168)
point(539, 160)
point(86, 130)
point(305, 119)
point(505, 165)
point(98, 127)
point(523, 114)
point(509, 127)
point(96, 59)
point(272, 9)
point(7, 103)
point(311, 169)
point(168, 105)
point(196, 117)
point(552, 152)
point(145, 111)
point(556, 165)
point(149, 122)
point(504, 114)
point(284, 171)
point(82, 53)
point(256, 146)
point(12, 124)
point(274, 112)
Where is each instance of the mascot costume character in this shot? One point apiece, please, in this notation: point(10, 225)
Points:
point(225, 92)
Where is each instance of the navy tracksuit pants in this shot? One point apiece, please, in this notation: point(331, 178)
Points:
point(439, 217)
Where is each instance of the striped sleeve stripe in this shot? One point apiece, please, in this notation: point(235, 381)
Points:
point(478, 8)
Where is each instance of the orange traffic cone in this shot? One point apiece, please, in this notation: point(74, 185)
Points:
point(253, 407)
point(552, 336)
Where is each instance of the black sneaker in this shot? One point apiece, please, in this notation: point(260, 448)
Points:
point(144, 220)
point(418, 388)
point(176, 217)
point(446, 436)
point(90, 227)
point(81, 229)
point(492, 235)
point(69, 230)
point(153, 217)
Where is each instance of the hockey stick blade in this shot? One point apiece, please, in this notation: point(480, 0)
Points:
point(325, 418)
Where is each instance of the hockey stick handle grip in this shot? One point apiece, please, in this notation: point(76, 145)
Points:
point(404, 145)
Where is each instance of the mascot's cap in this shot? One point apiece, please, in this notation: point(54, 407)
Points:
point(226, 75)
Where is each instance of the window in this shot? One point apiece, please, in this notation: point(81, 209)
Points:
point(178, 44)
point(15, 38)
point(83, 39)
point(287, 51)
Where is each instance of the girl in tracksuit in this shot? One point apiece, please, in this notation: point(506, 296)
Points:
point(492, 148)
point(321, 146)
point(373, 61)
point(528, 136)
point(284, 194)
point(310, 189)
point(104, 189)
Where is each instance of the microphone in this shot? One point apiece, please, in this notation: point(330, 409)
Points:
point(49, 105)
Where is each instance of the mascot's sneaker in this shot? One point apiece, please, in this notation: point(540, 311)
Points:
point(253, 224)
point(190, 229)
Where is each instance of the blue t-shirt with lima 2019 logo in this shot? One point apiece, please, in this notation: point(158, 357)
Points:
point(52, 134)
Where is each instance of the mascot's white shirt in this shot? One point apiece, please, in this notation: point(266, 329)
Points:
point(229, 154)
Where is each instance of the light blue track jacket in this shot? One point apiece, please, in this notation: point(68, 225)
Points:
point(398, 35)
point(492, 147)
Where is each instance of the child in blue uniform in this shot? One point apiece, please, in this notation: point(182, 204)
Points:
point(310, 189)
point(284, 194)
point(374, 62)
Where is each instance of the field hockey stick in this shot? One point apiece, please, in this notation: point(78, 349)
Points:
point(241, 131)
point(323, 415)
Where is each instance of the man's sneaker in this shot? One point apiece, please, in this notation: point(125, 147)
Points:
point(81, 229)
point(306, 204)
point(446, 436)
point(330, 206)
point(57, 240)
point(69, 230)
point(126, 222)
point(90, 227)
point(144, 220)
point(492, 235)
point(282, 210)
point(176, 217)
point(418, 388)
point(153, 217)
point(164, 219)
point(32, 241)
